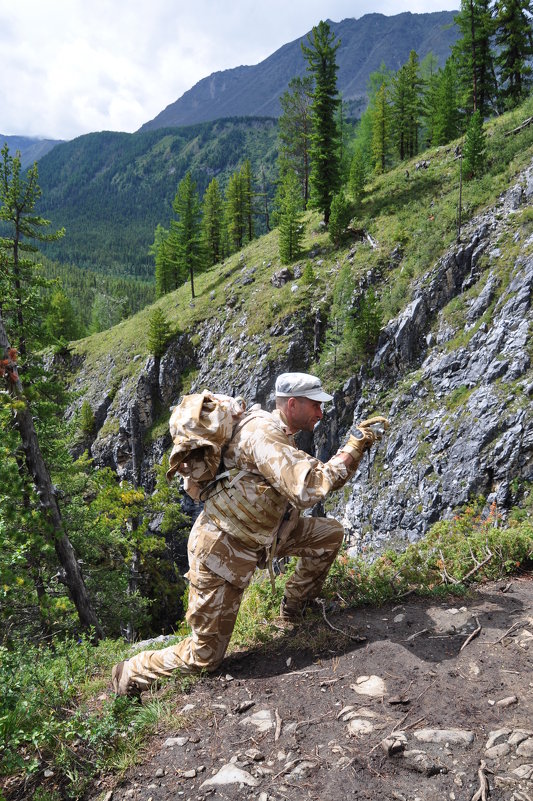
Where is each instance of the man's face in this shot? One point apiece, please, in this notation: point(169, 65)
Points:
point(303, 414)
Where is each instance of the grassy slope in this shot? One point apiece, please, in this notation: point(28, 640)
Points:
point(419, 213)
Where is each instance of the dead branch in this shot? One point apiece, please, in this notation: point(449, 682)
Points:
point(516, 625)
point(416, 634)
point(278, 726)
point(483, 793)
point(521, 127)
point(355, 637)
point(474, 634)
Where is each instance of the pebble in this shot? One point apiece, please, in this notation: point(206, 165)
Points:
point(525, 749)
point(159, 773)
point(502, 749)
point(509, 701)
point(373, 686)
point(230, 774)
point(262, 720)
point(454, 736)
point(496, 737)
point(170, 742)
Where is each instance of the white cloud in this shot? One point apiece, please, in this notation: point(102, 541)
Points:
point(72, 66)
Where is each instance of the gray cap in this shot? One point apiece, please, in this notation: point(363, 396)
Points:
point(301, 385)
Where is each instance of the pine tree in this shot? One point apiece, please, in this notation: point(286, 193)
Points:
point(290, 217)
point(381, 129)
point(235, 212)
point(247, 200)
point(406, 105)
point(212, 222)
point(357, 178)
point(441, 106)
point(185, 237)
point(320, 54)
point(295, 130)
point(340, 216)
point(472, 54)
point(364, 324)
point(474, 152)
point(159, 333)
point(21, 298)
point(60, 322)
point(164, 269)
point(514, 42)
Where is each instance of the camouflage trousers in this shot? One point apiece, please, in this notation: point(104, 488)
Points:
point(214, 601)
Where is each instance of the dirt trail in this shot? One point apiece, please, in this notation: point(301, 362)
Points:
point(284, 723)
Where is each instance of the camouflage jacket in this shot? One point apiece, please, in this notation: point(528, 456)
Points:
point(268, 473)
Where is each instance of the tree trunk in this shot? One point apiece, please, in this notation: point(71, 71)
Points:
point(45, 490)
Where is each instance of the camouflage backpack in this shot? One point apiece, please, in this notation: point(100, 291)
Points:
point(201, 426)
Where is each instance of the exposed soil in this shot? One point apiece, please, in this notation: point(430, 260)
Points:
point(303, 746)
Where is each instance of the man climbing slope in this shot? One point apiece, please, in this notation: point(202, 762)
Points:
point(250, 516)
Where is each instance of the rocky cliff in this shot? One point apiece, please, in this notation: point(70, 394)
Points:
point(452, 371)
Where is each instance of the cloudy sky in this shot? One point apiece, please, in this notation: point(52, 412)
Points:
point(70, 67)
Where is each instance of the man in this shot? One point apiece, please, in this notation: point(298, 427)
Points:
point(250, 516)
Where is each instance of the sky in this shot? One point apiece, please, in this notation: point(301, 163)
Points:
point(70, 67)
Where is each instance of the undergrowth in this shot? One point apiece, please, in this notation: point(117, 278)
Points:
point(56, 711)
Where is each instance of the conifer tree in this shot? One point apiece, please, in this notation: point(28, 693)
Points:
point(320, 54)
point(60, 322)
point(185, 238)
point(365, 323)
point(212, 222)
point(295, 130)
point(406, 106)
point(381, 129)
point(21, 298)
point(441, 106)
point(473, 56)
point(159, 333)
point(290, 217)
point(164, 269)
point(514, 42)
point(235, 212)
point(474, 152)
point(248, 199)
point(357, 178)
point(340, 215)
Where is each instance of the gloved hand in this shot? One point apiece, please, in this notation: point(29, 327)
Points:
point(364, 435)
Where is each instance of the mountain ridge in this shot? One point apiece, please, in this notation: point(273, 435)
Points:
point(254, 90)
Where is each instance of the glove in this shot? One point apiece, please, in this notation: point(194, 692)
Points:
point(364, 435)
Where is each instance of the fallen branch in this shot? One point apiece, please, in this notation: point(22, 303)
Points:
point(474, 634)
point(521, 127)
point(278, 726)
point(483, 793)
point(516, 625)
point(355, 637)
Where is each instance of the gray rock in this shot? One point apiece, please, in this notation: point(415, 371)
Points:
point(230, 774)
point(442, 736)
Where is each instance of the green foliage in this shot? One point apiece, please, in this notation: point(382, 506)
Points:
point(212, 223)
point(325, 156)
point(295, 131)
point(514, 48)
point(185, 237)
point(308, 274)
point(364, 325)
point(61, 322)
point(381, 120)
point(474, 155)
point(358, 176)
point(159, 332)
point(87, 421)
point(473, 57)
point(340, 216)
point(290, 218)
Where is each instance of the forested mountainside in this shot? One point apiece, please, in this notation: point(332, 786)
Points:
point(110, 190)
point(366, 44)
point(452, 367)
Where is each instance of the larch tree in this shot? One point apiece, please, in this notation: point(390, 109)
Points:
point(185, 237)
point(212, 222)
point(290, 217)
point(473, 56)
point(514, 43)
point(295, 130)
point(381, 123)
point(325, 179)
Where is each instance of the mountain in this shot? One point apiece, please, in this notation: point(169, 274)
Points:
point(110, 190)
point(30, 149)
point(365, 44)
point(452, 367)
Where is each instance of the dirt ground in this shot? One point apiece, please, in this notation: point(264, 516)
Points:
point(287, 722)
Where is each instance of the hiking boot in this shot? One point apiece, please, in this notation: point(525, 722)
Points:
point(122, 684)
point(292, 611)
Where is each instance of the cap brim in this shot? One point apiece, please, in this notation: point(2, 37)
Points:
point(318, 395)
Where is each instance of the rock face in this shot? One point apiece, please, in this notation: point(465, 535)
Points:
point(452, 372)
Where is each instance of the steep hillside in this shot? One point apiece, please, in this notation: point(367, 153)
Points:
point(366, 43)
point(110, 190)
point(452, 368)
